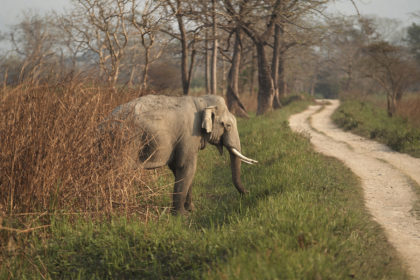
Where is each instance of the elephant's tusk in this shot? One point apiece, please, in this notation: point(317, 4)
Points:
point(242, 157)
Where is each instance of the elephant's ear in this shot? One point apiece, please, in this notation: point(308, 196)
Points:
point(207, 122)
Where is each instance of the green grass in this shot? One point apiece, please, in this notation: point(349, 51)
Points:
point(365, 119)
point(303, 219)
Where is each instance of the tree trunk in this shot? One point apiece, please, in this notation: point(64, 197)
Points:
point(224, 78)
point(252, 83)
point(282, 84)
point(214, 68)
point(275, 66)
point(184, 69)
point(207, 65)
point(398, 96)
point(265, 81)
point(312, 89)
point(184, 55)
point(391, 105)
point(234, 103)
point(349, 77)
point(214, 53)
point(145, 68)
point(193, 52)
point(115, 73)
point(132, 73)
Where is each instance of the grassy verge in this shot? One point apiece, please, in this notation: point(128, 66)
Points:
point(303, 219)
point(372, 122)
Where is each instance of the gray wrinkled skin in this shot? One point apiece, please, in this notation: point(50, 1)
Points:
point(173, 129)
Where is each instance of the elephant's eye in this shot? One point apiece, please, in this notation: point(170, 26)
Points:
point(228, 126)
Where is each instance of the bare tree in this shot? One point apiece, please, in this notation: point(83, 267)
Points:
point(260, 38)
point(297, 27)
point(389, 66)
point(261, 20)
point(234, 103)
point(214, 51)
point(207, 19)
point(147, 24)
point(344, 46)
point(34, 41)
point(340, 59)
point(179, 9)
point(72, 48)
point(102, 27)
point(207, 63)
point(278, 65)
point(304, 68)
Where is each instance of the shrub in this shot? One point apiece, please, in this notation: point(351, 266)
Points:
point(346, 120)
point(50, 157)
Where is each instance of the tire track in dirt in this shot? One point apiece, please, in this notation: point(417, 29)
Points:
point(385, 175)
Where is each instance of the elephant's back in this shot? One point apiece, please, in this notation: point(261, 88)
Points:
point(152, 104)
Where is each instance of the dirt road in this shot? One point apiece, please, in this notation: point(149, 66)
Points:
point(386, 177)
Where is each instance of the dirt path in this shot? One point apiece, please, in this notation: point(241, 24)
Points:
point(385, 176)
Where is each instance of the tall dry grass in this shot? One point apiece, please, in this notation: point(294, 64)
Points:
point(409, 108)
point(53, 158)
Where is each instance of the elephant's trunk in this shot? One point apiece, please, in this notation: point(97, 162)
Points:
point(235, 165)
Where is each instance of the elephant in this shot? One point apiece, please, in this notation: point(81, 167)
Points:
point(173, 129)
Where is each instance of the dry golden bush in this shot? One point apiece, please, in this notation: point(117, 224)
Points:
point(250, 102)
point(409, 108)
point(53, 157)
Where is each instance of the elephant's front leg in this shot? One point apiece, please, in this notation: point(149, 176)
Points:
point(188, 205)
point(182, 189)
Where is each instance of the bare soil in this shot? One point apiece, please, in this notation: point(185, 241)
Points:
point(387, 177)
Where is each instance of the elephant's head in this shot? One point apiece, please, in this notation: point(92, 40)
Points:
point(221, 130)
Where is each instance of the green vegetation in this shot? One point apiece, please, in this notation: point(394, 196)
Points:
point(365, 119)
point(303, 219)
point(413, 39)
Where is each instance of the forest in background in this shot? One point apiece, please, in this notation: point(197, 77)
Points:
point(236, 48)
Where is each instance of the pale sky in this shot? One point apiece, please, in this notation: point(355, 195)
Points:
point(396, 9)
point(11, 10)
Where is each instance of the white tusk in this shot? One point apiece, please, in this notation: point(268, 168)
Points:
point(251, 163)
point(242, 157)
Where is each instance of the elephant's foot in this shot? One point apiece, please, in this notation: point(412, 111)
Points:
point(180, 212)
point(189, 206)
point(179, 209)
